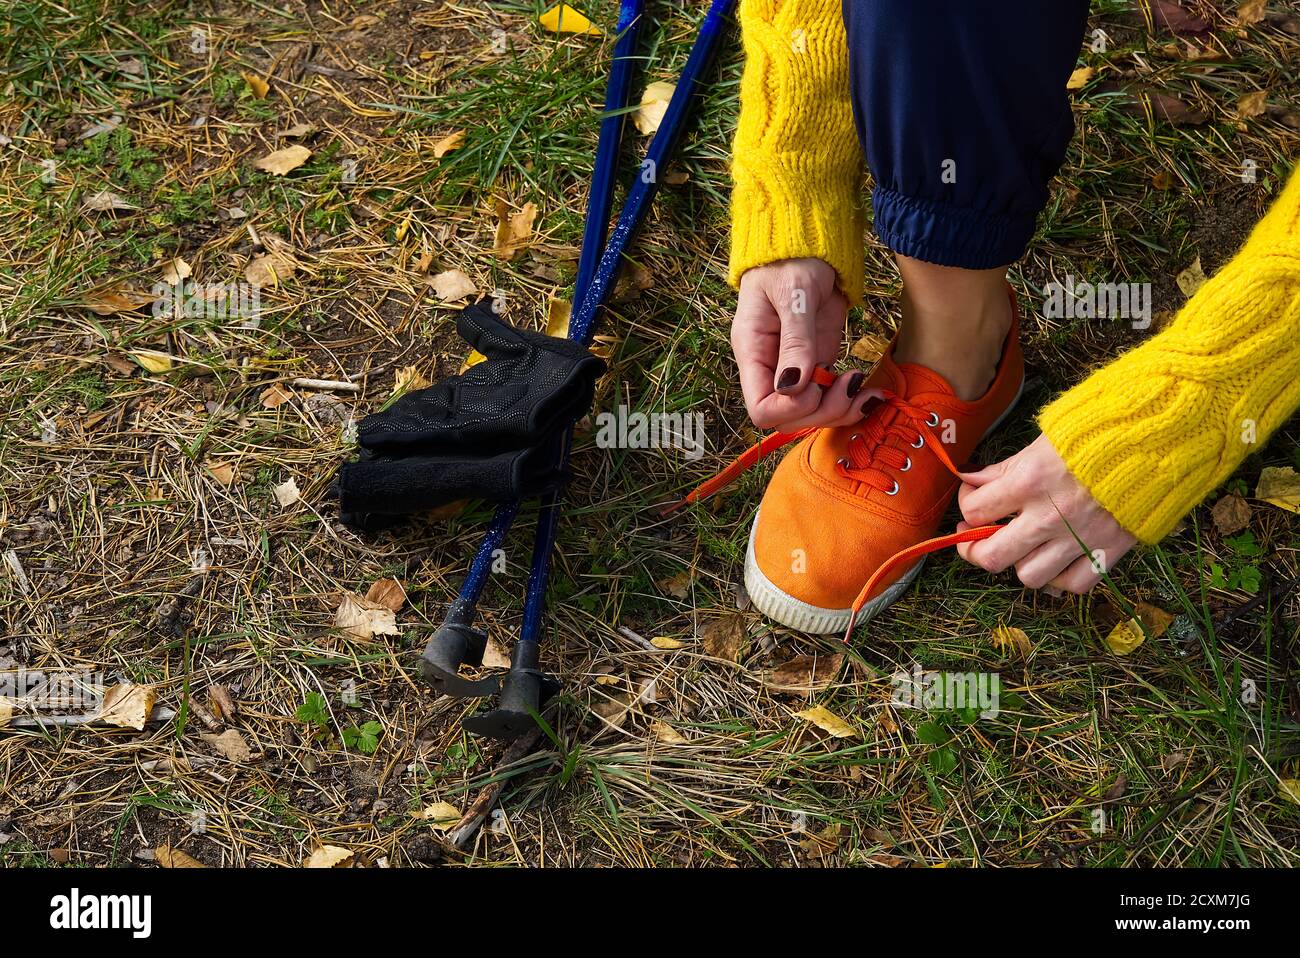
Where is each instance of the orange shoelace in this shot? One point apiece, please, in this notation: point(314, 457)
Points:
point(868, 457)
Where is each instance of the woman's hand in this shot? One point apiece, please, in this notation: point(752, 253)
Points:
point(789, 319)
point(1035, 487)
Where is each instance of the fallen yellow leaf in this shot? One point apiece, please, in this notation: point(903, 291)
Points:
point(224, 472)
point(667, 642)
point(1010, 637)
point(827, 721)
point(255, 83)
point(1252, 104)
point(329, 856)
point(176, 271)
point(408, 379)
point(1156, 619)
point(558, 312)
point(122, 300)
point(1079, 78)
point(441, 815)
point(562, 18)
point(1192, 278)
point(1279, 486)
point(6, 711)
point(152, 361)
point(1251, 11)
point(869, 348)
point(452, 141)
point(168, 857)
point(1125, 637)
point(654, 104)
point(1289, 788)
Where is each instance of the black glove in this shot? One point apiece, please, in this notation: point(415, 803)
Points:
point(398, 486)
point(530, 387)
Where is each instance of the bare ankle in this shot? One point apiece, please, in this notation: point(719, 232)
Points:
point(955, 322)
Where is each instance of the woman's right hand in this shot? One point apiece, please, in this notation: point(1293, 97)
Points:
point(789, 319)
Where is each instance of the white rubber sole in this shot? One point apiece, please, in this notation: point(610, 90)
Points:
point(797, 614)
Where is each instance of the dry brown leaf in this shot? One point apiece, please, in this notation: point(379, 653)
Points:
point(169, 857)
point(1079, 78)
point(6, 711)
point(679, 586)
point(452, 141)
point(110, 302)
point(805, 673)
point(827, 721)
point(225, 473)
point(285, 161)
point(495, 655)
point(1125, 637)
point(448, 511)
point(654, 104)
point(665, 733)
point(1279, 486)
point(270, 269)
point(364, 619)
point(297, 130)
point(1009, 637)
point(1251, 11)
point(222, 703)
point(388, 593)
point(725, 638)
point(451, 285)
point(514, 230)
point(287, 493)
point(176, 271)
point(230, 744)
point(275, 396)
point(1165, 106)
point(106, 201)
point(869, 348)
point(408, 379)
point(1231, 514)
point(613, 709)
point(1192, 278)
point(128, 706)
point(1156, 619)
point(1252, 104)
point(329, 856)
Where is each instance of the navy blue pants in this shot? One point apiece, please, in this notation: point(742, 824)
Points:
point(963, 115)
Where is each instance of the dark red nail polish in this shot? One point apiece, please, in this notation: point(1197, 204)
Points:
point(789, 376)
point(855, 384)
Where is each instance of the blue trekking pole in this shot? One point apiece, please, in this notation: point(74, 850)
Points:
point(525, 689)
point(457, 642)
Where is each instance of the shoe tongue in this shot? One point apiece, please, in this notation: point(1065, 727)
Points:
point(922, 379)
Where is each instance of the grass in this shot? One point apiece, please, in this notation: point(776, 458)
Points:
point(1168, 756)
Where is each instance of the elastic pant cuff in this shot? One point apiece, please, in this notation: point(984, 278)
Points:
point(948, 235)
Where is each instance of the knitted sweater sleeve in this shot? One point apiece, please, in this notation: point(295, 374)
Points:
point(796, 164)
point(1159, 428)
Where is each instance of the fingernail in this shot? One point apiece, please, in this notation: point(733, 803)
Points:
point(789, 376)
point(855, 384)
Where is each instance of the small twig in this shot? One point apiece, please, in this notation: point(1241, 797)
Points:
point(335, 384)
point(477, 813)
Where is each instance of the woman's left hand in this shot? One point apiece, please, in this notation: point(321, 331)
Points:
point(1037, 489)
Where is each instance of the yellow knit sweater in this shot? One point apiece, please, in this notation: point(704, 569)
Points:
point(1152, 433)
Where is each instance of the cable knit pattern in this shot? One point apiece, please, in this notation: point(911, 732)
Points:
point(1159, 428)
point(796, 164)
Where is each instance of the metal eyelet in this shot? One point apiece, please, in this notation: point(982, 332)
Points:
point(842, 462)
point(920, 441)
point(932, 420)
point(855, 437)
point(894, 491)
point(907, 465)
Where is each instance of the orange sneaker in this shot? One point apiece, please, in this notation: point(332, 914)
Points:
point(851, 512)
